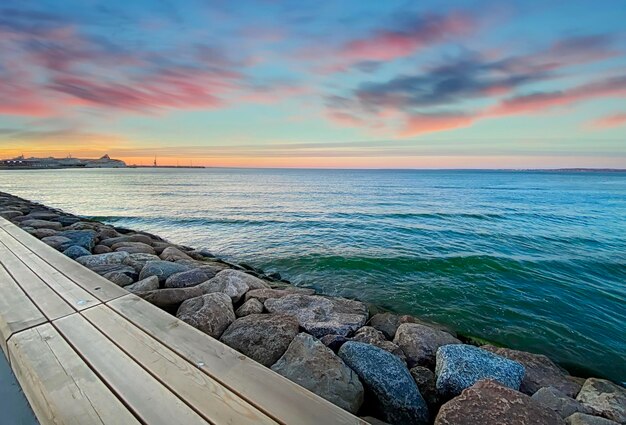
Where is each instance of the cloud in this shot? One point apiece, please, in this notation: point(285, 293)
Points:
point(609, 121)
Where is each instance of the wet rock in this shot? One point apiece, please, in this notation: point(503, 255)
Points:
point(394, 392)
point(262, 337)
point(459, 366)
point(139, 260)
point(490, 403)
point(556, 400)
point(102, 259)
point(604, 398)
point(186, 279)
point(38, 224)
point(234, 283)
point(150, 283)
point(161, 269)
point(84, 238)
point(267, 293)
point(426, 382)
point(56, 242)
point(101, 249)
point(252, 306)
point(420, 343)
point(119, 278)
point(334, 342)
point(320, 315)
point(75, 251)
point(172, 254)
point(211, 313)
point(312, 365)
point(585, 419)
point(43, 233)
point(540, 371)
point(370, 335)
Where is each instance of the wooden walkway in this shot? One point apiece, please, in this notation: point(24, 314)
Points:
point(86, 351)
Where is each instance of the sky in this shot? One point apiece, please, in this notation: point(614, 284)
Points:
point(298, 83)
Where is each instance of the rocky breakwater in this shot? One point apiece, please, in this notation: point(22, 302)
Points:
point(384, 367)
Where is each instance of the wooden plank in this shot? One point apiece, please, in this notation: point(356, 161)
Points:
point(17, 311)
point(60, 387)
point(150, 400)
point(48, 301)
point(92, 282)
point(215, 403)
point(280, 398)
point(75, 296)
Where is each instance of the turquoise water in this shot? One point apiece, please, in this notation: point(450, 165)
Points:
point(531, 260)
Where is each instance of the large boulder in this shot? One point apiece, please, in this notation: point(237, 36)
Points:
point(9, 214)
point(106, 269)
point(426, 383)
point(604, 398)
point(388, 323)
point(312, 365)
point(103, 249)
point(173, 254)
point(267, 293)
point(252, 306)
point(84, 238)
point(490, 403)
point(119, 278)
point(38, 224)
point(321, 316)
point(170, 297)
point(459, 366)
point(234, 283)
point(138, 260)
point(161, 269)
point(134, 248)
point(540, 371)
point(186, 279)
point(150, 283)
point(556, 400)
point(90, 261)
point(43, 233)
point(127, 238)
point(76, 251)
point(57, 242)
point(262, 337)
point(370, 335)
point(392, 389)
point(420, 343)
point(585, 419)
point(211, 313)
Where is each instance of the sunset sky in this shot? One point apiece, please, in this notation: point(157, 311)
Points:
point(375, 84)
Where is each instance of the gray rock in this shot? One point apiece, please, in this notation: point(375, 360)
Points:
point(312, 365)
point(540, 371)
point(234, 283)
point(393, 390)
point(102, 249)
point(84, 238)
point(43, 233)
point(373, 421)
point(111, 268)
point(107, 233)
point(127, 238)
point(102, 259)
point(267, 293)
point(42, 215)
point(489, 403)
point(172, 254)
point(150, 283)
point(252, 306)
point(38, 224)
point(262, 337)
point(135, 248)
point(186, 279)
point(388, 323)
point(211, 313)
point(334, 342)
point(139, 260)
point(9, 214)
point(585, 419)
point(420, 343)
point(556, 400)
point(75, 251)
point(604, 398)
point(119, 278)
point(67, 220)
point(426, 382)
point(370, 335)
point(459, 366)
point(56, 242)
point(170, 297)
point(161, 269)
point(320, 315)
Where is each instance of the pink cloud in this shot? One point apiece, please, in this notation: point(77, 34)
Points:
point(609, 121)
point(424, 123)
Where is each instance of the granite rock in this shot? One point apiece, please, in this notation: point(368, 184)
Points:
point(556, 400)
point(90, 261)
point(604, 398)
point(370, 335)
point(76, 251)
point(252, 306)
point(426, 382)
point(84, 238)
point(234, 283)
point(161, 269)
point(211, 313)
point(150, 283)
point(586, 419)
point(186, 279)
point(39, 224)
point(420, 343)
point(267, 293)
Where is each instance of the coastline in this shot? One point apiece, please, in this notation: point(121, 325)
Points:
point(122, 256)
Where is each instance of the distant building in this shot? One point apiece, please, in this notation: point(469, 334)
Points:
point(31, 163)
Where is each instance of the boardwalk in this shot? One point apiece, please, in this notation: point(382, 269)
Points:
point(86, 351)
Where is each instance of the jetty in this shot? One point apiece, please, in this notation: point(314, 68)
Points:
point(86, 351)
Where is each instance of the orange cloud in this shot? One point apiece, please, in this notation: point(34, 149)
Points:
point(609, 121)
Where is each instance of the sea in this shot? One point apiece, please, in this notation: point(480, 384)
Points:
point(532, 260)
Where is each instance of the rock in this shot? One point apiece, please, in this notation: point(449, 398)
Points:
point(133, 248)
point(84, 238)
point(101, 249)
point(150, 283)
point(161, 269)
point(200, 254)
point(584, 419)
point(102, 259)
point(373, 421)
point(556, 400)
point(252, 306)
point(76, 251)
point(186, 279)
point(211, 313)
point(107, 233)
point(67, 220)
point(43, 233)
point(489, 403)
point(172, 254)
point(38, 224)
point(312, 365)
point(56, 242)
point(321, 316)
point(604, 398)
point(334, 342)
point(540, 371)
point(119, 278)
point(262, 337)
point(42, 215)
point(105, 269)
point(420, 343)
point(85, 225)
point(9, 214)
point(139, 260)
point(459, 366)
point(370, 335)
point(393, 390)
point(159, 247)
point(127, 238)
point(388, 323)
point(426, 382)
point(169, 297)
point(267, 293)
point(234, 283)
